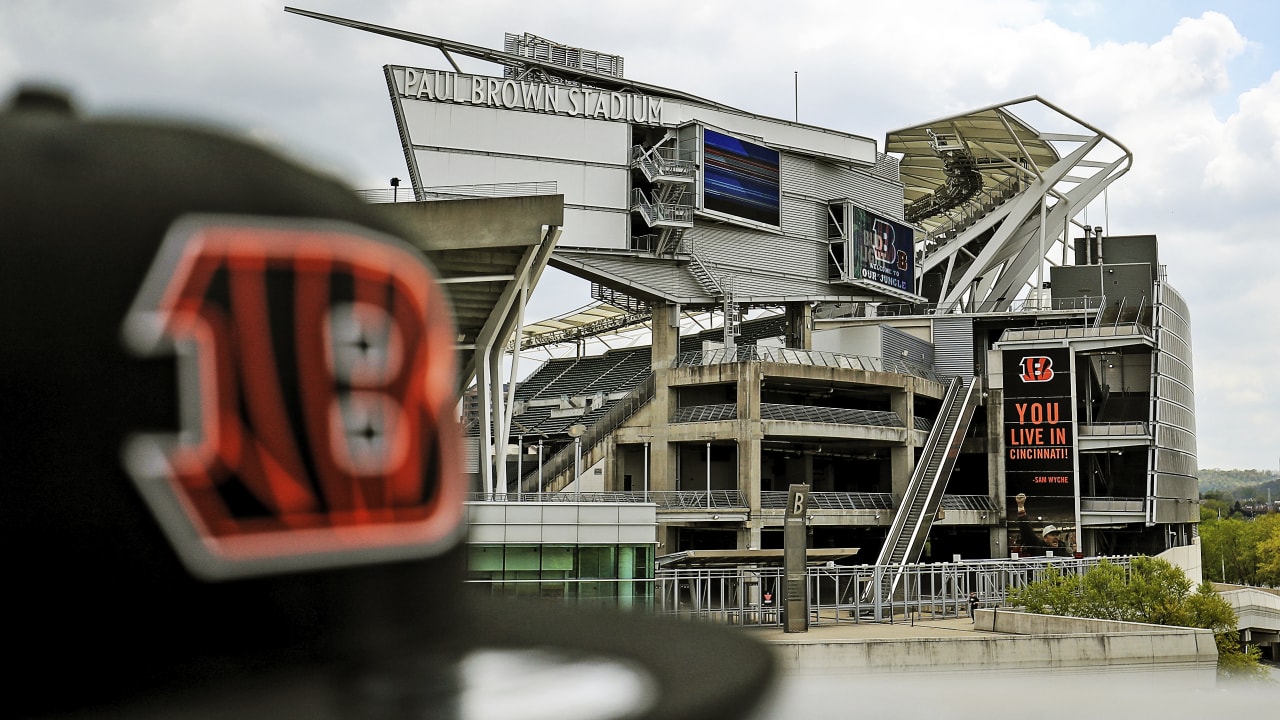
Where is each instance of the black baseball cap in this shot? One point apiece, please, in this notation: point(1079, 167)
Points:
point(231, 473)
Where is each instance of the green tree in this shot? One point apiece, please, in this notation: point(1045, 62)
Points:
point(1267, 550)
point(1150, 590)
point(1215, 504)
point(1246, 549)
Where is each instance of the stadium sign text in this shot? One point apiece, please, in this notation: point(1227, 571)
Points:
point(439, 86)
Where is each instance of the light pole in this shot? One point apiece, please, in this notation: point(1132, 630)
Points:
point(519, 467)
point(395, 189)
point(539, 469)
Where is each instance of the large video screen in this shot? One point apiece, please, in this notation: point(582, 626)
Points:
point(1039, 446)
point(740, 179)
point(882, 251)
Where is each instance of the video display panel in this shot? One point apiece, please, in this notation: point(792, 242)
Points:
point(741, 179)
point(882, 251)
point(1039, 446)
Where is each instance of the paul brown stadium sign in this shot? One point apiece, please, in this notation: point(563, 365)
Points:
point(540, 97)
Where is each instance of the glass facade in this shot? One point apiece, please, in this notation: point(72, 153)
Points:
point(611, 575)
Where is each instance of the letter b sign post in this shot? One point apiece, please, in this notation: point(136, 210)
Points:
point(795, 599)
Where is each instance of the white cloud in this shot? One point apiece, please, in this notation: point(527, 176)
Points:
point(1203, 179)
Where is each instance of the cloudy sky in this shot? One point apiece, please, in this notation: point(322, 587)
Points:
point(1192, 88)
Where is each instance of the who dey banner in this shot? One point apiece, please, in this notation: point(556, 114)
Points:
point(1039, 448)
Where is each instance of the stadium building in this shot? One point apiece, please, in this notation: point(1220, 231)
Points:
point(926, 332)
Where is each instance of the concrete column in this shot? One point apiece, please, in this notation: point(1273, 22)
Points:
point(666, 342)
point(750, 434)
point(662, 461)
point(749, 533)
point(666, 334)
point(667, 539)
point(799, 325)
point(902, 458)
point(615, 465)
point(995, 471)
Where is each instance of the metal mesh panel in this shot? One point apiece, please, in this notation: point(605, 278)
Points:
point(838, 416)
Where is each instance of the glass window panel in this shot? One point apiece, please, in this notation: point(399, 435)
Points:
point(557, 557)
point(523, 557)
point(484, 558)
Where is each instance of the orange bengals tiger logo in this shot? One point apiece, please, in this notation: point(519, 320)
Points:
point(1037, 368)
point(316, 366)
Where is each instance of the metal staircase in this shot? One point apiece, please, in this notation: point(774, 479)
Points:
point(704, 276)
point(557, 471)
point(670, 209)
point(920, 504)
point(661, 167)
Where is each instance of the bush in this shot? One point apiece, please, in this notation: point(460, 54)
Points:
point(1150, 590)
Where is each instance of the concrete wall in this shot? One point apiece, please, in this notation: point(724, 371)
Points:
point(1019, 642)
point(505, 523)
point(1187, 557)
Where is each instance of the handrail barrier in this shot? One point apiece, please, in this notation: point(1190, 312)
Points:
point(618, 413)
point(836, 594)
point(760, 353)
point(840, 594)
point(664, 499)
point(455, 192)
point(1112, 429)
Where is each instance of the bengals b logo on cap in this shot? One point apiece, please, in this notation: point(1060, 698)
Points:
point(316, 365)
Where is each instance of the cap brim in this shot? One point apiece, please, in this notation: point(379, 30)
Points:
point(699, 670)
point(670, 669)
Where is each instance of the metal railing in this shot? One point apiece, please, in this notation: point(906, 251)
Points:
point(660, 212)
point(617, 414)
point(1064, 333)
point(705, 413)
point(793, 413)
point(454, 192)
point(664, 499)
point(852, 594)
point(978, 503)
point(1113, 429)
point(661, 162)
point(1085, 303)
point(736, 499)
point(777, 500)
point(1112, 505)
point(758, 353)
point(830, 415)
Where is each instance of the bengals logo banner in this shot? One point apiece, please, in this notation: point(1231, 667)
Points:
point(1036, 368)
point(316, 365)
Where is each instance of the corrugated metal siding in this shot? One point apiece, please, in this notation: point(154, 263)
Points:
point(1168, 436)
point(827, 181)
point(887, 167)
point(953, 346)
point(1178, 486)
point(1173, 391)
point(1174, 462)
point(1174, 409)
point(728, 246)
point(897, 345)
point(662, 276)
point(804, 218)
point(1169, 365)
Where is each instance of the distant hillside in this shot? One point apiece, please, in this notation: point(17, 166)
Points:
point(1240, 483)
